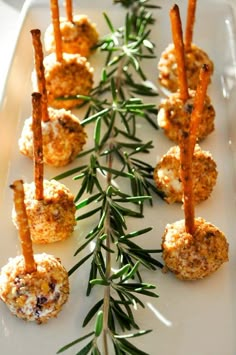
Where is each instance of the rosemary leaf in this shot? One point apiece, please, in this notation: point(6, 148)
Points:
point(98, 323)
point(88, 214)
point(88, 200)
point(66, 347)
point(92, 312)
point(133, 335)
point(86, 349)
point(94, 117)
point(82, 261)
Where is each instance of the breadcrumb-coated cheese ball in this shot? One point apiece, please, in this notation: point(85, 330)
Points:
point(194, 59)
point(192, 257)
point(174, 116)
point(78, 37)
point(63, 138)
point(66, 79)
point(53, 218)
point(167, 175)
point(36, 296)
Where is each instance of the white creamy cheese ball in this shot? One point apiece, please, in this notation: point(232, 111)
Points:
point(63, 138)
point(65, 79)
point(36, 296)
point(51, 219)
point(79, 36)
point(194, 59)
point(174, 116)
point(193, 257)
point(168, 180)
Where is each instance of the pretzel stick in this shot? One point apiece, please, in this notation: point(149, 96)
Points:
point(187, 181)
point(187, 144)
point(23, 226)
point(177, 36)
point(39, 68)
point(190, 23)
point(38, 145)
point(56, 28)
point(198, 106)
point(69, 11)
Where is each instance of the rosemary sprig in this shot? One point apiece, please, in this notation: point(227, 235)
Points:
point(114, 107)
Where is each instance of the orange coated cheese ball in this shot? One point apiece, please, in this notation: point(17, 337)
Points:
point(36, 296)
point(194, 59)
point(174, 116)
point(53, 218)
point(167, 175)
point(192, 257)
point(66, 79)
point(63, 138)
point(78, 37)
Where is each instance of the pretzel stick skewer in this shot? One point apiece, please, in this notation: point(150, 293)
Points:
point(69, 10)
point(187, 144)
point(56, 28)
point(199, 99)
point(38, 145)
point(187, 181)
point(177, 36)
point(190, 23)
point(24, 231)
point(39, 68)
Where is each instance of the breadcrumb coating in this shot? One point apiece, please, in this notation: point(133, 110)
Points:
point(78, 37)
point(167, 67)
point(192, 257)
point(174, 116)
point(167, 175)
point(63, 138)
point(36, 296)
point(53, 218)
point(73, 76)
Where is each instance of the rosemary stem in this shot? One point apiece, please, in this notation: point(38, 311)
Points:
point(105, 319)
point(106, 303)
point(119, 73)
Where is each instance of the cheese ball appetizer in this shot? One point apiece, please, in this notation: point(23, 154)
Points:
point(36, 296)
point(194, 59)
point(174, 116)
point(78, 37)
point(63, 138)
point(65, 79)
point(167, 175)
point(193, 257)
point(52, 218)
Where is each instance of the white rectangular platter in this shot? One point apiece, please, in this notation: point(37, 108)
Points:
point(189, 317)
